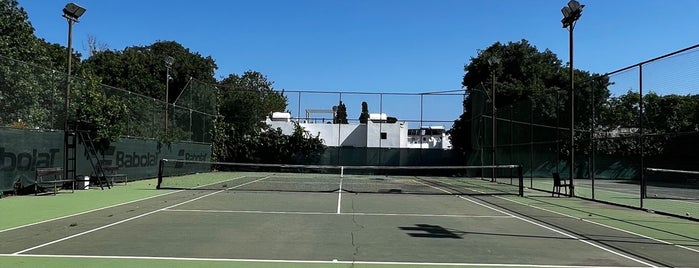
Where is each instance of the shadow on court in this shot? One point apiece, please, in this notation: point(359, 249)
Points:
point(318, 227)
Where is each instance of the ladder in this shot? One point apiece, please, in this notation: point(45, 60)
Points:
point(93, 157)
point(70, 139)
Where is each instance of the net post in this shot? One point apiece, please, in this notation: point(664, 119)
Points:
point(520, 176)
point(161, 167)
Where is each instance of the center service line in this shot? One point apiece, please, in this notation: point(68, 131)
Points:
point(339, 197)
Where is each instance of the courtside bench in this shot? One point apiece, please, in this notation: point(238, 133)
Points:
point(111, 172)
point(51, 176)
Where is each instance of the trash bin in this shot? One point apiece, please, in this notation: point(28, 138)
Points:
point(84, 183)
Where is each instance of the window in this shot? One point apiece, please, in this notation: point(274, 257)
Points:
point(384, 135)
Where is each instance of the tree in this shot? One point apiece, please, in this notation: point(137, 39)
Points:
point(104, 117)
point(17, 40)
point(95, 46)
point(460, 135)
point(521, 71)
point(664, 117)
point(240, 134)
point(340, 114)
point(364, 116)
point(244, 101)
point(55, 58)
point(523, 76)
point(23, 97)
point(143, 70)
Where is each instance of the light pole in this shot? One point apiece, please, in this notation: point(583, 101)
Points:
point(492, 61)
point(71, 12)
point(169, 60)
point(571, 14)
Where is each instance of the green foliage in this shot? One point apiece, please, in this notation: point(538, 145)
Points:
point(24, 96)
point(671, 113)
point(523, 76)
point(364, 116)
point(521, 69)
point(31, 94)
point(17, 38)
point(143, 70)
point(272, 146)
point(241, 135)
point(36, 93)
point(104, 117)
point(245, 102)
point(460, 135)
point(340, 114)
point(54, 57)
point(663, 117)
point(221, 140)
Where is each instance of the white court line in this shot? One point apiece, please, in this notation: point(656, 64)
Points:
point(550, 229)
point(98, 209)
point(339, 198)
point(328, 213)
point(85, 212)
point(604, 225)
point(130, 219)
point(633, 195)
point(317, 261)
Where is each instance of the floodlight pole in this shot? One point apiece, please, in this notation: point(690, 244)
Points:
point(571, 13)
point(71, 12)
point(572, 112)
point(169, 60)
point(492, 61)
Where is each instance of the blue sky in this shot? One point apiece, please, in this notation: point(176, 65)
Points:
point(376, 45)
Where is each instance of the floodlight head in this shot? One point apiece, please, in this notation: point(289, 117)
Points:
point(73, 11)
point(575, 6)
point(169, 60)
point(571, 13)
point(566, 11)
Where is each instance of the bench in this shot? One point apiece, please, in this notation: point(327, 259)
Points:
point(53, 176)
point(111, 174)
point(559, 183)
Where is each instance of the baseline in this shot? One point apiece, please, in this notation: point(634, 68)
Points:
point(348, 262)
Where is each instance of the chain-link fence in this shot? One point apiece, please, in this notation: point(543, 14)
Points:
point(636, 133)
point(34, 97)
point(413, 126)
point(31, 96)
point(418, 109)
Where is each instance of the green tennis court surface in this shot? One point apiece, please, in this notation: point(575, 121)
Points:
point(234, 226)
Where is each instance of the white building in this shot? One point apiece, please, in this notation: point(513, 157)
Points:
point(376, 133)
point(429, 137)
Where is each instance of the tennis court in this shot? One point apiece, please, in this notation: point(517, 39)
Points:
point(242, 218)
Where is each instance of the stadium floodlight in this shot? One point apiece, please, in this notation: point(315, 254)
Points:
point(566, 11)
point(571, 14)
point(71, 12)
point(169, 60)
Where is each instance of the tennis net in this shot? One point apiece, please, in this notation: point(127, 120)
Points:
point(448, 180)
point(672, 184)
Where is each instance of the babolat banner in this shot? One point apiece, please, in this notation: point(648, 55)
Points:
point(139, 158)
point(23, 151)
